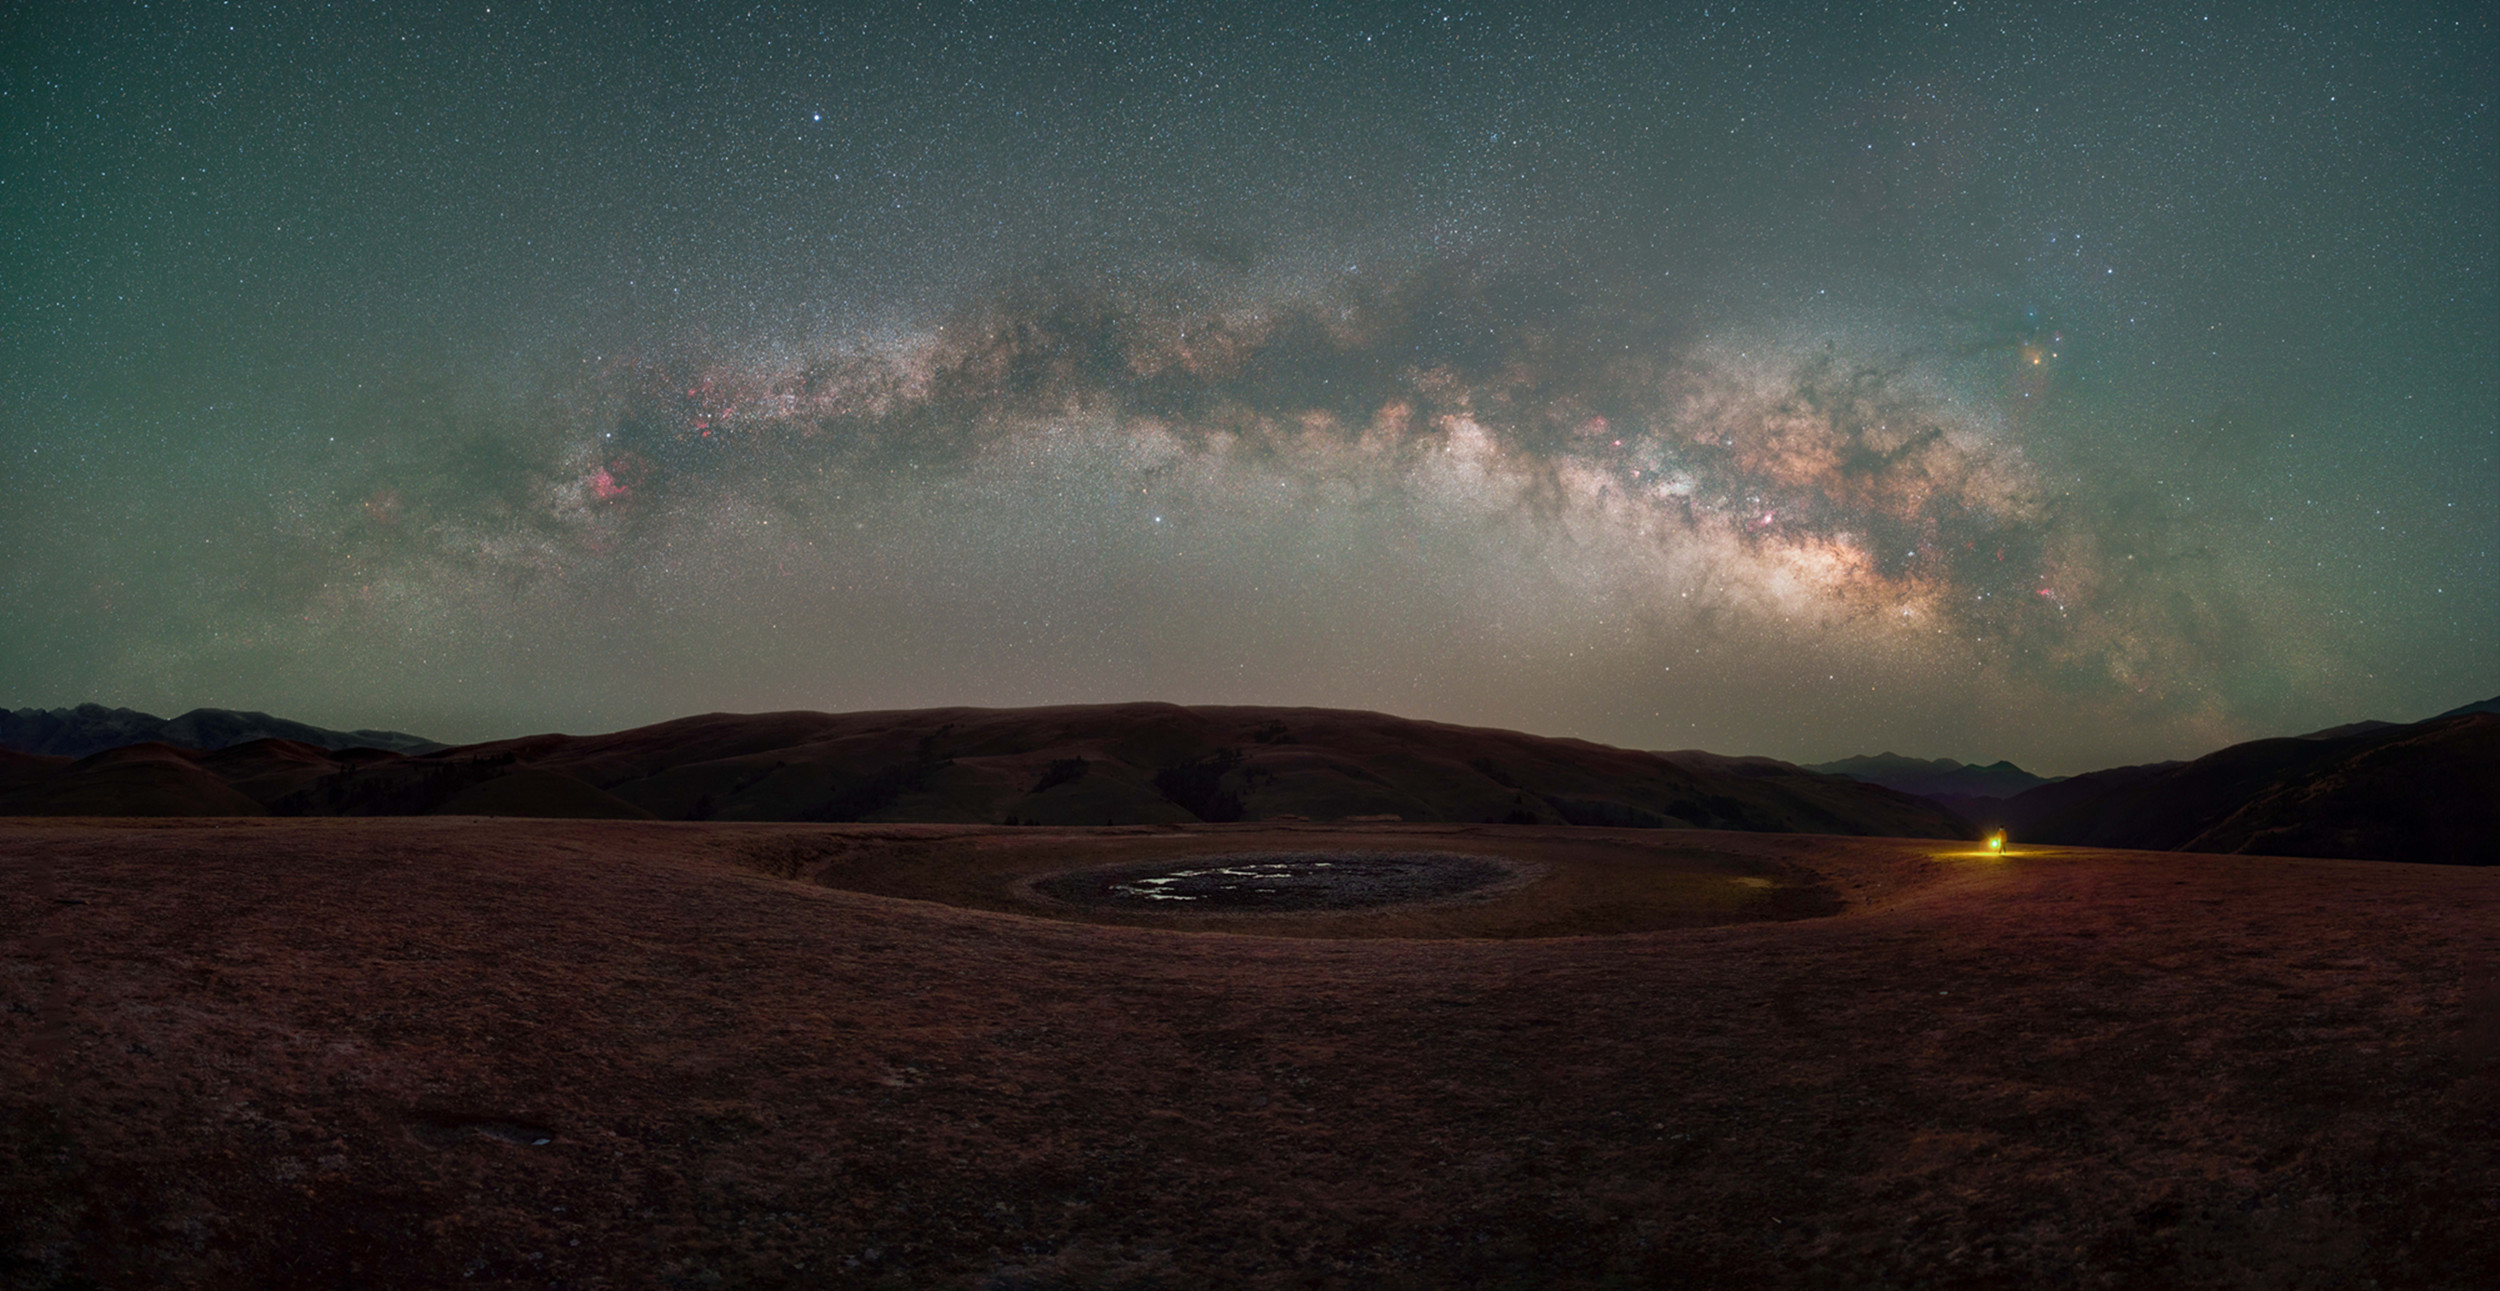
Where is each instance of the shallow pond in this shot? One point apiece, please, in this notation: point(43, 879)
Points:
point(1279, 881)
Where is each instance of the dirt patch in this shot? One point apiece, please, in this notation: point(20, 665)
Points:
point(1276, 882)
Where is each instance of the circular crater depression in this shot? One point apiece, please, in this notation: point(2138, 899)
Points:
point(1279, 882)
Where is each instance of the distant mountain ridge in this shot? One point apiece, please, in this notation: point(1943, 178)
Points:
point(93, 728)
point(2366, 726)
point(1938, 778)
point(1101, 764)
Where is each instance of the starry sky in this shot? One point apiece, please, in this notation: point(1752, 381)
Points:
point(2076, 384)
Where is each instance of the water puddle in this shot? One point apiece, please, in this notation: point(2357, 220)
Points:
point(1280, 881)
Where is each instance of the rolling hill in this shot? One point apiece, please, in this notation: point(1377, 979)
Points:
point(1077, 765)
point(2375, 790)
point(2428, 791)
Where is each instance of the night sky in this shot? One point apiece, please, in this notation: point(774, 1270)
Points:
point(2076, 384)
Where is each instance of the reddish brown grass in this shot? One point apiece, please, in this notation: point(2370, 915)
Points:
point(323, 1052)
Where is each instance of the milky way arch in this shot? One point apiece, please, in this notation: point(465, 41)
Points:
point(1782, 473)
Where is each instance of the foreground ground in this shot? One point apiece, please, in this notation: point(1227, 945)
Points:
point(462, 1052)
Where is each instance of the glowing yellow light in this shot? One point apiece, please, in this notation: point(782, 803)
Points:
point(1996, 843)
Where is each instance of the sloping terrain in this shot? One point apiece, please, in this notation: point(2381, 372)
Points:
point(425, 1053)
point(1111, 764)
point(2430, 793)
point(134, 780)
point(2426, 791)
point(18, 770)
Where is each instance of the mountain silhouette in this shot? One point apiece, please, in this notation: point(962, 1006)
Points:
point(1940, 778)
point(1101, 764)
point(2424, 791)
point(93, 728)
